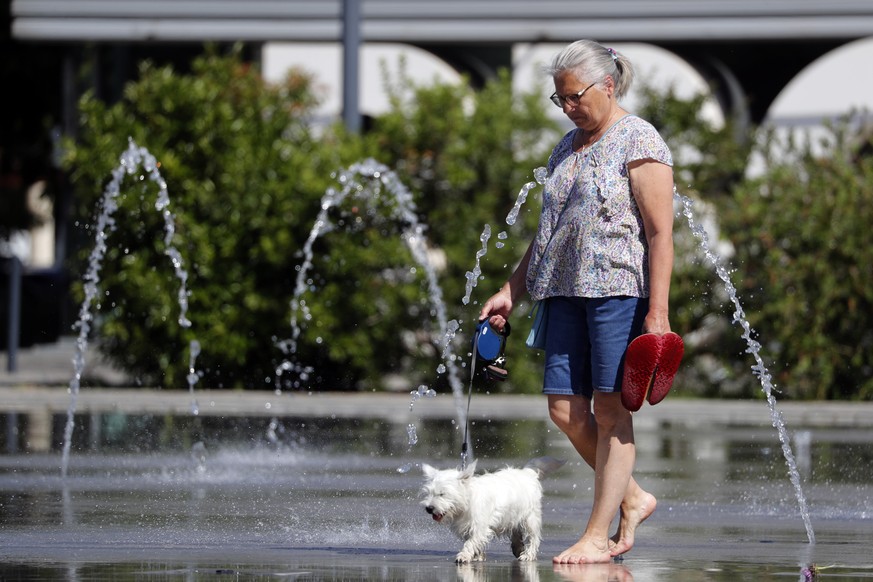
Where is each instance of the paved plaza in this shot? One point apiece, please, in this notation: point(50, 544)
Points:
point(39, 385)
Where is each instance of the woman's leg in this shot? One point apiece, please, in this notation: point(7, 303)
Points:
point(615, 456)
point(573, 416)
point(584, 349)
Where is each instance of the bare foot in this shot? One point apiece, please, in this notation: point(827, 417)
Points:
point(632, 515)
point(585, 551)
point(593, 572)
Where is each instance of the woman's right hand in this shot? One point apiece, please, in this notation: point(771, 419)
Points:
point(498, 308)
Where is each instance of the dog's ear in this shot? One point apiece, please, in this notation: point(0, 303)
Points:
point(469, 471)
point(428, 470)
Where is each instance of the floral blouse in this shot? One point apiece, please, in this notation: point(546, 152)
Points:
point(590, 240)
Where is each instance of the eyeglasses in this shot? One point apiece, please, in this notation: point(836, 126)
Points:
point(572, 99)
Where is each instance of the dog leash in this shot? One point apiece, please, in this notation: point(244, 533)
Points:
point(492, 356)
point(465, 444)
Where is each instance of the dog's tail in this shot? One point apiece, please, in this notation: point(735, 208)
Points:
point(544, 465)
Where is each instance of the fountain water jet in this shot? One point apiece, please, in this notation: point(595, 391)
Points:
point(473, 276)
point(404, 212)
point(131, 160)
point(369, 183)
point(753, 347)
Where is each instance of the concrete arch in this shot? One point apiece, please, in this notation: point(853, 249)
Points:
point(759, 69)
point(324, 62)
point(745, 77)
point(726, 89)
point(831, 86)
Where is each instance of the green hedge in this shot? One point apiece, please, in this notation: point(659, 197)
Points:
point(802, 235)
point(246, 173)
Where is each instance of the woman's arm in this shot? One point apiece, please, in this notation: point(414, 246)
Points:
point(652, 186)
point(499, 306)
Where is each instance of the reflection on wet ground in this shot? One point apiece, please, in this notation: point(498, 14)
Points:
point(185, 498)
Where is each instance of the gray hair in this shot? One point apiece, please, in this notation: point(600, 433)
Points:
point(595, 62)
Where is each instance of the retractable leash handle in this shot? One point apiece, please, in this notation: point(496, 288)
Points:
point(488, 347)
point(489, 343)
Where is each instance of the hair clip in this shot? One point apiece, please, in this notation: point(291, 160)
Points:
point(612, 52)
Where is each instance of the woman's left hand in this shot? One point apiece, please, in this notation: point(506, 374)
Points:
point(656, 322)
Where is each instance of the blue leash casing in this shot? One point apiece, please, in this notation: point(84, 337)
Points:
point(489, 346)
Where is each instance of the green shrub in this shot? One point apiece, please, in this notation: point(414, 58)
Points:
point(801, 230)
point(468, 153)
point(795, 253)
point(245, 174)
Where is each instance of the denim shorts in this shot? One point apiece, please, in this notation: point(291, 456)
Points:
point(586, 339)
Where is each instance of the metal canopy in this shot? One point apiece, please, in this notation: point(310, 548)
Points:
point(441, 21)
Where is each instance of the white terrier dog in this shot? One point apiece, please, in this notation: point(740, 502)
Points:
point(507, 503)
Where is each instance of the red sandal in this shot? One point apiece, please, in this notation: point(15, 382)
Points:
point(650, 364)
point(672, 349)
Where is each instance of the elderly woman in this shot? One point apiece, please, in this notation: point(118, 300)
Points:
point(602, 259)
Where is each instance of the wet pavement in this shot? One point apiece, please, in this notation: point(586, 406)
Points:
point(326, 499)
point(298, 486)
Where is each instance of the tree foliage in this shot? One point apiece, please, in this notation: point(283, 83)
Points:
point(246, 173)
point(237, 158)
point(792, 239)
point(801, 230)
point(468, 153)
